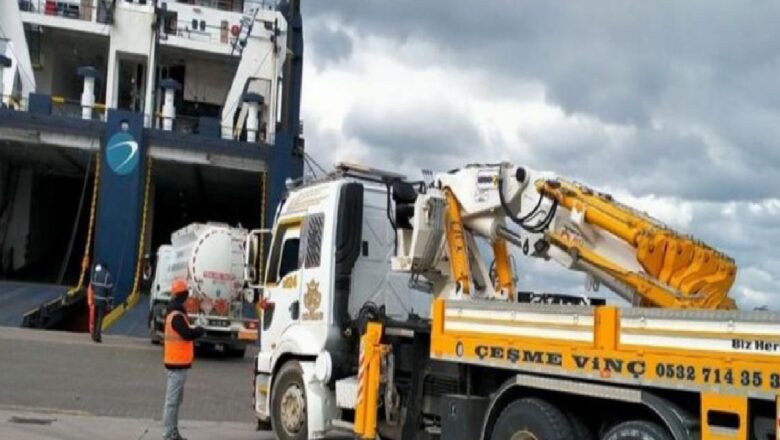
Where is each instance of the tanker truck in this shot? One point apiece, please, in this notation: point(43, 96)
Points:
point(210, 257)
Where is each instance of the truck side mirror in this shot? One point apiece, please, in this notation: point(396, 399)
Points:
point(147, 270)
point(253, 295)
point(250, 258)
point(252, 265)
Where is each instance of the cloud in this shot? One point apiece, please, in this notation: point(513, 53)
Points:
point(328, 44)
point(671, 107)
point(747, 231)
point(694, 81)
point(437, 130)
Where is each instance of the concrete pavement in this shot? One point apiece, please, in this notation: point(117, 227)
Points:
point(59, 385)
point(25, 424)
point(123, 377)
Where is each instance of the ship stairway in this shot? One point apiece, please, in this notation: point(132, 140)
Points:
point(247, 22)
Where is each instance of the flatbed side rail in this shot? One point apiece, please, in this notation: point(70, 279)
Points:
point(713, 352)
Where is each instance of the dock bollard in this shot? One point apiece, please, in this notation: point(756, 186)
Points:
point(88, 93)
point(4, 62)
point(254, 103)
point(169, 109)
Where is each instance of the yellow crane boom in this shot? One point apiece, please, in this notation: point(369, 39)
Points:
point(679, 271)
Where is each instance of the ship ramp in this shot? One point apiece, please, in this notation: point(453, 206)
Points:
point(19, 298)
point(133, 322)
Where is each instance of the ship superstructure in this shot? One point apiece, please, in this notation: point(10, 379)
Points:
point(122, 121)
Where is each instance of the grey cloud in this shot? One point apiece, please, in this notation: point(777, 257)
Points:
point(423, 134)
point(328, 45)
point(692, 84)
point(653, 161)
point(749, 234)
point(708, 65)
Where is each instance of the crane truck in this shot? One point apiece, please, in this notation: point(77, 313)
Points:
point(210, 257)
point(381, 317)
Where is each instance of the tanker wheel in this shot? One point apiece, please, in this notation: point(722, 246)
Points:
point(288, 403)
point(532, 419)
point(637, 430)
point(156, 310)
point(236, 351)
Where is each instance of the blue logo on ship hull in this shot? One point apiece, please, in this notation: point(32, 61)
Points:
point(122, 153)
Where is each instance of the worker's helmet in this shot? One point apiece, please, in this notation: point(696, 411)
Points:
point(179, 287)
point(98, 268)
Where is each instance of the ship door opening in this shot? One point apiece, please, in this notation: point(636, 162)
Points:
point(131, 91)
point(45, 204)
point(188, 193)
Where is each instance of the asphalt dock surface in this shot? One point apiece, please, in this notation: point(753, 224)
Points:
point(59, 385)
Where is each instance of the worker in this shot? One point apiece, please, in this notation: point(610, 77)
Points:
point(100, 296)
point(179, 352)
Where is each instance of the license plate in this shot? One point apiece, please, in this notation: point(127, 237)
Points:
point(247, 335)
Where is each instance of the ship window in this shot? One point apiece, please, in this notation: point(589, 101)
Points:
point(34, 45)
point(311, 248)
point(170, 19)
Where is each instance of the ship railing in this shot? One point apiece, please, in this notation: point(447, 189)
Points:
point(200, 23)
point(181, 123)
point(62, 106)
point(86, 10)
point(13, 102)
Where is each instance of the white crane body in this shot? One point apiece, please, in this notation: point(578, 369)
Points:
point(381, 316)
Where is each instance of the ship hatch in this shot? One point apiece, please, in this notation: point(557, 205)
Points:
point(45, 202)
point(187, 193)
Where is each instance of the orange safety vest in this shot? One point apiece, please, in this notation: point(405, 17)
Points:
point(178, 352)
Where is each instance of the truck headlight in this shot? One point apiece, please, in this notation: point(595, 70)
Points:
point(323, 367)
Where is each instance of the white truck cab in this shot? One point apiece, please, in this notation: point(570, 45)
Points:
point(329, 257)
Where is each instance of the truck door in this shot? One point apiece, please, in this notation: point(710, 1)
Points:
point(282, 286)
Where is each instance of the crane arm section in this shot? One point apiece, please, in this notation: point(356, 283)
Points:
point(678, 271)
point(641, 259)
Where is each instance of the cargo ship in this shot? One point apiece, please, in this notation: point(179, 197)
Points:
point(123, 121)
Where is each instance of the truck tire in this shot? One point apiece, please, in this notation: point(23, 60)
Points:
point(263, 425)
point(153, 314)
point(637, 430)
point(579, 428)
point(532, 419)
point(236, 352)
point(288, 403)
point(153, 337)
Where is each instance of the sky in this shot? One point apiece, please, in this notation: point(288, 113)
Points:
point(672, 107)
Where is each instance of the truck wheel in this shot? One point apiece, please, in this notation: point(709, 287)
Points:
point(532, 419)
point(236, 352)
point(579, 428)
point(637, 430)
point(263, 425)
point(288, 403)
